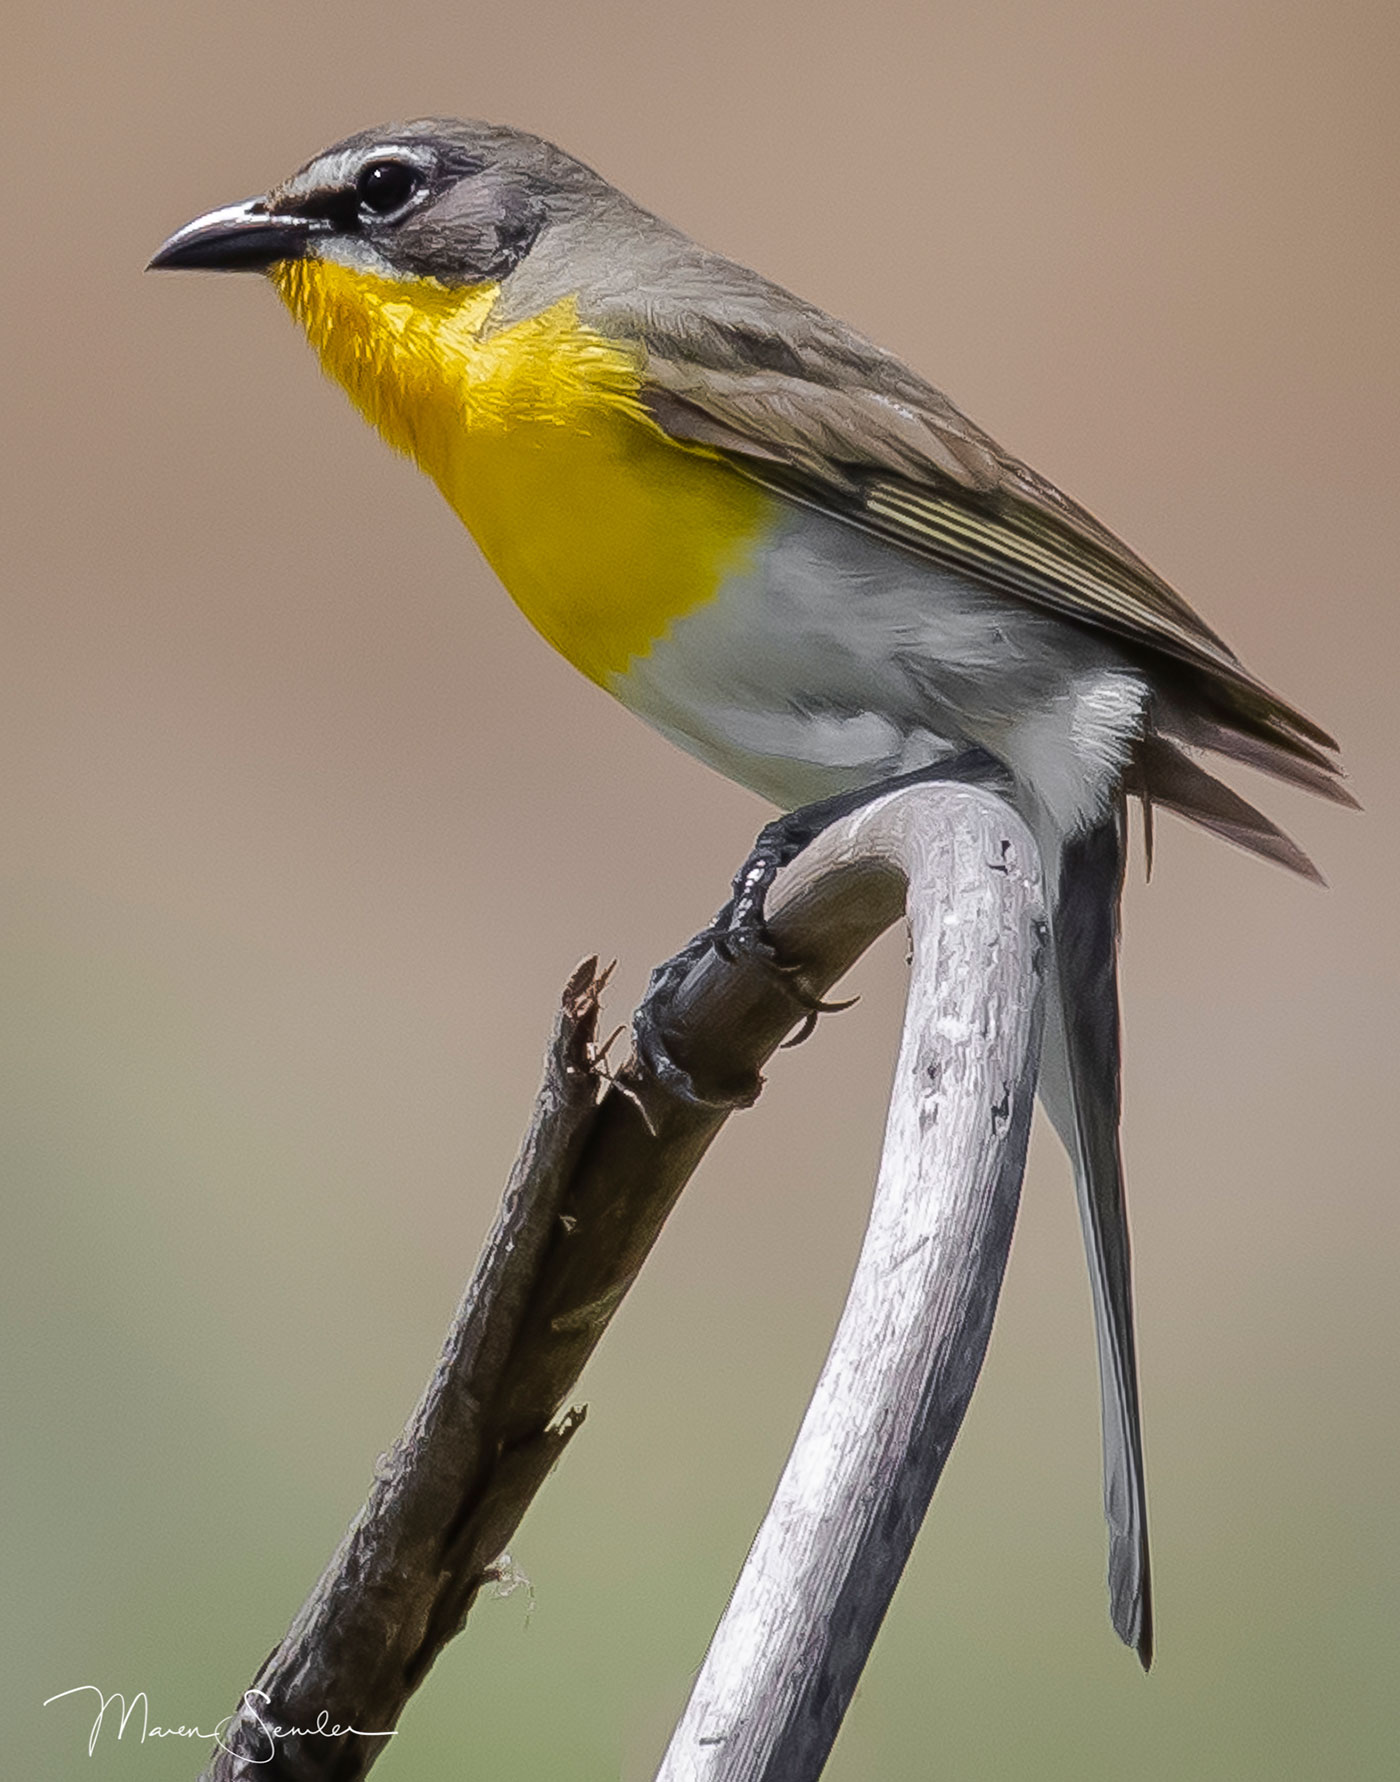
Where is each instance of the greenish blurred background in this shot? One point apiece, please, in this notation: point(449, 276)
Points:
point(304, 829)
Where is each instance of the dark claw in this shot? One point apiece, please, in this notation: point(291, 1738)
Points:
point(804, 1032)
point(815, 1007)
point(833, 1008)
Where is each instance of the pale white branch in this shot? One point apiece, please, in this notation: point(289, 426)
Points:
point(784, 1662)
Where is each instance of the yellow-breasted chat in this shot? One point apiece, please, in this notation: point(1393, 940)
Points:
point(787, 552)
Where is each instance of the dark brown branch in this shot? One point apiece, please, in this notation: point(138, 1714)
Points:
point(588, 1195)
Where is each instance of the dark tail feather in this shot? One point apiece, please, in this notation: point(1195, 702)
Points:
point(1172, 779)
point(1300, 766)
point(1087, 1040)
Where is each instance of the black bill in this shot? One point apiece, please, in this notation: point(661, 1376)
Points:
point(239, 238)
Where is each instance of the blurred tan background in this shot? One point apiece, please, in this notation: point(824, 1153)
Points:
point(304, 828)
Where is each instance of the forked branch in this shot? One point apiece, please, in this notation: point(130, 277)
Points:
point(594, 1181)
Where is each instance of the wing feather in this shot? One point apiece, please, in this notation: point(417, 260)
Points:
point(830, 421)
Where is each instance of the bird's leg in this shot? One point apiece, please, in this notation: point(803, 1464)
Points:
point(740, 929)
point(739, 932)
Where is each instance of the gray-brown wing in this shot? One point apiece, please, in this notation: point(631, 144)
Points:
point(820, 416)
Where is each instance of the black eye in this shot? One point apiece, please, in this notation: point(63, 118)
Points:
point(386, 186)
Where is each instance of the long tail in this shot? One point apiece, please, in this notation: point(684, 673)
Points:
point(1080, 1070)
point(1079, 1086)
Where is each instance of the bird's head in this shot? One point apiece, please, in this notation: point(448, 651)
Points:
point(460, 203)
point(401, 248)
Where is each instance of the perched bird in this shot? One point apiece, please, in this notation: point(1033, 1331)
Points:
point(788, 553)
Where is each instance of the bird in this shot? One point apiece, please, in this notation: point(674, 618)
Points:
point(791, 555)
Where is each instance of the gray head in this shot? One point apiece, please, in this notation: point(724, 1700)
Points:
point(461, 202)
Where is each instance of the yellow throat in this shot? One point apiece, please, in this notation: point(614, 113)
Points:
point(604, 530)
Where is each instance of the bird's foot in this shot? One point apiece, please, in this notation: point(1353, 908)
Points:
point(739, 933)
point(649, 1043)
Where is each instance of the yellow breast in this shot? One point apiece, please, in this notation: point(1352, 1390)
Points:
point(604, 530)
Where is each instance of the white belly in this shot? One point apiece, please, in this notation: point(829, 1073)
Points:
point(838, 660)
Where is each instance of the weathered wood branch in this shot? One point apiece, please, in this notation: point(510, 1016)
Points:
point(593, 1184)
point(784, 1663)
